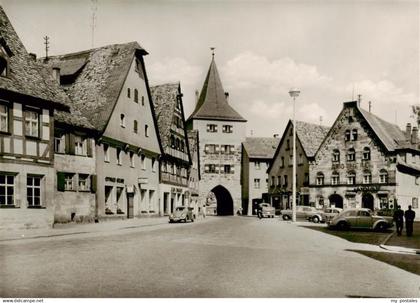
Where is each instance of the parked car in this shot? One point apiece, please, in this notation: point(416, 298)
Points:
point(303, 212)
point(182, 214)
point(360, 218)
point(265, 210)
point(329, 213)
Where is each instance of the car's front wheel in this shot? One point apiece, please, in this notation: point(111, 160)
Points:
point(343, 225)
point(381, 227)
point(286, 218)
point(315, 219)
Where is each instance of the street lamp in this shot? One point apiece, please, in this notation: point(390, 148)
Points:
point(294, 93)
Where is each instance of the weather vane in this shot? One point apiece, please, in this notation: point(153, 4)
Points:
point(212, 51)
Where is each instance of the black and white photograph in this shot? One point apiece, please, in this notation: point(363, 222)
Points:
point(200, 149)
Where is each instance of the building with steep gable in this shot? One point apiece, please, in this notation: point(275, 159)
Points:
point(280, 172)
point(367, 162)
point(222, 131)
point(175, 160)
point(28, 98)
point(109, 86)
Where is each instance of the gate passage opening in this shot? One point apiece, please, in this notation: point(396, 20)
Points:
point(224, 201)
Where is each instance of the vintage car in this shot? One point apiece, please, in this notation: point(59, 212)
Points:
point(182, 214)
point(303, 212)
point(265, 210)
point(360, 218)
point(329, 213)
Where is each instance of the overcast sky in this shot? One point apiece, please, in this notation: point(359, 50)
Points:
point(327, 49)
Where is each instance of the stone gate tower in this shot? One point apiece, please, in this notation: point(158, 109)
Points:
point(221, 131)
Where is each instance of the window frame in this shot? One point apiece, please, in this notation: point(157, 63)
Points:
point(6, 194)
point(29, 120)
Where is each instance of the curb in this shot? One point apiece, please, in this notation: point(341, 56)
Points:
point(398, 249)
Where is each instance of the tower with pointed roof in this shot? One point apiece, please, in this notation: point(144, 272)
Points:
point(222, 131)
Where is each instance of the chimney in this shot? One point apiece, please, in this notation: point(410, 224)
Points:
point(197, 96)
point(56, 74)
point(408, 132)
point(414, 135)
point(275, 135)
point(32, 56)
point(227, 96)
point(359, 99)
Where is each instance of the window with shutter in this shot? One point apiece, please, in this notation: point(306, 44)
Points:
point(60, 181)
point(93, 183)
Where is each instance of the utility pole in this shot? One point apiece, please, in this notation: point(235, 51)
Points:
point(46, 39)
point(94, 8)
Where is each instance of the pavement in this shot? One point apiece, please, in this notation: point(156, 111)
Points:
point(68, 229)
point(105, 227)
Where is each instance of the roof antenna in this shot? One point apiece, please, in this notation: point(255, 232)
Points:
point(94, 8)
point(212, 51)
point(46, 38)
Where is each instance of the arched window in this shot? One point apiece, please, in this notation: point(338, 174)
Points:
point(354, 135)
point(351, 177)
point(347, 135)
point(3, 66)
point(336, 155)
point(383, 176)
point(335, 178)
point(319, 178)
point(366, 153)
point(172, 141)
point(367, 177)
point(351, 154)
point(136, 95)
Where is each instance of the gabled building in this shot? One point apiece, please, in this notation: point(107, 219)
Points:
point(365, 161)
point(175, 161)
point(222, 131)
point(28, 98)
point(257, 154)
point(109, 87)
point(280, 173)
point(194, 173)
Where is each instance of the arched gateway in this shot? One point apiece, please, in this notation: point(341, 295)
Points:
point(224, 201)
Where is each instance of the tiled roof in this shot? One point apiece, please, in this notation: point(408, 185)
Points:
point(390, 134)
point(25, 75)
point(310, 136)
point(73, 118)
point(164, 100)
point(261, 147)
point(212, 103)
point(102, 72)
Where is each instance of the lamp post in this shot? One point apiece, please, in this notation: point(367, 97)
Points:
point(294, 93)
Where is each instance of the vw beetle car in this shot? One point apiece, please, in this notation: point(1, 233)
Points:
point(306, 212)
point(360, 218)
point(329, 213)
point(182, 214)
